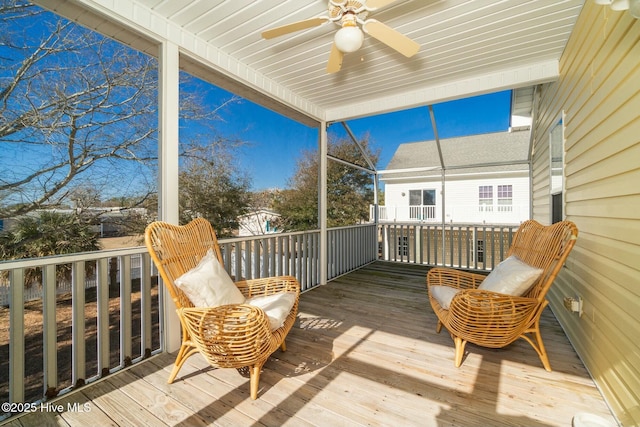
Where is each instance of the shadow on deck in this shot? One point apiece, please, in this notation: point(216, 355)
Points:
point(364, 351)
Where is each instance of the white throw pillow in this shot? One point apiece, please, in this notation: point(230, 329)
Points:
point(209, 285)
point(275, 306)
point(512, 277)
point(443, 294)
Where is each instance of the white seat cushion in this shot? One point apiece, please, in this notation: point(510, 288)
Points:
point(443, 294)
point(275, 306)
point(512, 277)
point(209, 285)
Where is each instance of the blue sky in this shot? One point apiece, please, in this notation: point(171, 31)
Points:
point(274, 142)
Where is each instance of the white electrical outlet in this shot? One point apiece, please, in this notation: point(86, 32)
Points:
point(574, 305)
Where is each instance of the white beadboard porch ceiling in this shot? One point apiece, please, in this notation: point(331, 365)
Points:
point(467, 47)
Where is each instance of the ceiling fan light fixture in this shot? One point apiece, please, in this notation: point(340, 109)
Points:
point(620, 5)
point(349, 39)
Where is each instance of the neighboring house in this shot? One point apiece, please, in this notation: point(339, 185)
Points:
point(257, 223)
point(486, 180)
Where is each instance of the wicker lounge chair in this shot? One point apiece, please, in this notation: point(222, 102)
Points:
point(493, 319)
point(228, 336)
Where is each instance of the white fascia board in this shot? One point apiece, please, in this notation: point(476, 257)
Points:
point(526, 75)
point(133, 15)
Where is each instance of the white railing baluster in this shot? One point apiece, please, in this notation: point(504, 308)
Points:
point(248, 256)
point(145, 305)
point(314, 270)
point(16, 336)
point(78, 355)
point(273, 262)
point(49, 329)
point(238, 249)
point(102, 303)
point(125, 310)
point(257, 258)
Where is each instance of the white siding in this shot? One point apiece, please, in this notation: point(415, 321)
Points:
point(599, 92)
point(462, 205)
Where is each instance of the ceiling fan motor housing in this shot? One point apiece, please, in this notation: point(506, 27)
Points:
point(337, 9)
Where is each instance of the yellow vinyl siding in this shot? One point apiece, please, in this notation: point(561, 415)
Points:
point(541, 182)
point(599, 92)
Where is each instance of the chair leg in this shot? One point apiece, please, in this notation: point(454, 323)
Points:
point(538, 346)
point(283, 346)
point(254, 373)
point(185, 352)
point(438, 327)
point(460, 343)
point(543, 354)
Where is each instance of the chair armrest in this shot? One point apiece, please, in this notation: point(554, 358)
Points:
point(489, 318)
point(489, 302)
point(228, 332)
point(454, 278)
point(268, 286)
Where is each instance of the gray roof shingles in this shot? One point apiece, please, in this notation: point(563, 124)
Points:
point(474, 150)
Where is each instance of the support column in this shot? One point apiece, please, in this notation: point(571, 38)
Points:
point(168, 153)
point(322, 202)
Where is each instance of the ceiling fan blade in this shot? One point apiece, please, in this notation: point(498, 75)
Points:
point(296, 26)
point(335, 60)
point(377, 4)
point(391, 37)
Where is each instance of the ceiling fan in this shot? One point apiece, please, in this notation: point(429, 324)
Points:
point(351, 15)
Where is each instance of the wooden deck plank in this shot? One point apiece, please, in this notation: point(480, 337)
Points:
point(203, 404)
point(364, 351)
point(109, 398)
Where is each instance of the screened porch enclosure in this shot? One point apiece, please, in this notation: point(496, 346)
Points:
point(583, 76)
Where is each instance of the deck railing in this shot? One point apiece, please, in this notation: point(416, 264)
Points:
point(457, 213)
point(108, 318)
point(111, 316)
point(297, 254)
point(472, 247)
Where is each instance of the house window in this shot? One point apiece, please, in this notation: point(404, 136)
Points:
point(428, 197)
point(480, 251)
point(505, 198)
point(485, 198)
point(422, 197)
point(556, 162)
point(415, 197)
point(403, 246)
point(422, 204)
point(556, 208)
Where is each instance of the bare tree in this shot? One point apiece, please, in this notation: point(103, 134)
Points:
point(71, 101)
point(77, 108)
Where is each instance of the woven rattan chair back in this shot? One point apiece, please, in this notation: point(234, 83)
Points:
point(544, 247)
point(177, 249)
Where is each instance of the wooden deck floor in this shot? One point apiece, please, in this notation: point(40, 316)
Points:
point(363, 352)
